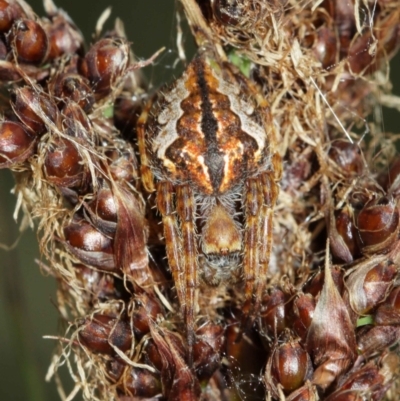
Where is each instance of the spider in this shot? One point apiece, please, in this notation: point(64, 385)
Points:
point(207, 149)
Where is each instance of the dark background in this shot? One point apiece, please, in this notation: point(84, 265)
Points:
point(27, 298)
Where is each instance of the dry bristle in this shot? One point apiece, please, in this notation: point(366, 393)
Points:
point(325, 318)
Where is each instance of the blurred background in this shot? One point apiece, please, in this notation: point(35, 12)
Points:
point(27, 298)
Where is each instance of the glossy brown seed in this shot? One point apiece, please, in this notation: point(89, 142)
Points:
point(63, 164)
point(369, 284)
point(106, 62)
point(347, 157)
point(304, 307)
point(378, 282)
point(16, 144)
point(104, 205)
point(30, 42)
point(213, 334)
point(366, 381)
point(137, 382)
point(273, 312)
point(126, 115)
point(102, 211)
point(147, 309)
point(64, 37)
point(89, 245)
point(73, 87)
point(291, 365)
point(325, 47)
point(378, 226)
point(152, 355)
point(346, 228)
point(389, 312)
point(372, 340)
point(227, 12)
point(9, 12)
point(123, 165)
point(100, 333)
point(35, 110)
point(207, 350)
point(98, 286)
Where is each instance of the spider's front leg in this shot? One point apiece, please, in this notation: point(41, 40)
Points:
point(260, 199)
point(181, 250)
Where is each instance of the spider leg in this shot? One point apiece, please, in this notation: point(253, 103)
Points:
point(181, 250)
point(186, 211)
point(270, 194)
point(173, 240)
point(251, 241)
point(261, 196)
point(145, 171)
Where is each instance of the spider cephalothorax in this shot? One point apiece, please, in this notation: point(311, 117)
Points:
point(210, 148)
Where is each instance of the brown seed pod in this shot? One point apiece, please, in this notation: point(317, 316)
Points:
point(16, 144)
point(105, 64)
point(330, 339)
point(73, 87)
point(64, 36)
point(373, 340)
point(29, 41)
point(179, 382)
point(389, 312)
point(89, 245)
point(101, 333)
point(273, 312)
point(9, 12)
point(366, 381)
point(325, 47)
point(290, 366)
point(123, 165)
point(378, 226)
point(369, 284)
point(207, 350)
point(347, 156)
point(344, 236)
point(303, 307)
point(131, 234)
point(35, 110)
point(63, 165)
point(126, 114)
point(98, 286)
point(134, 382)
point(152, 356)
point(147, 310)
point(102, 211)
